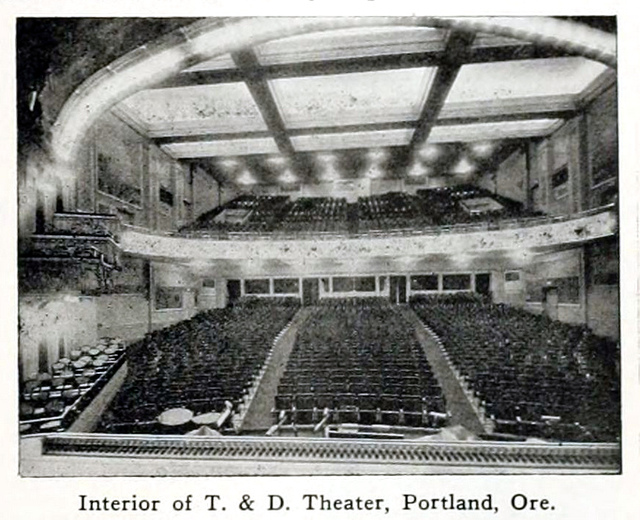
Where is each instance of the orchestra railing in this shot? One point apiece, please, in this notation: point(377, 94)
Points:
point(472, 455)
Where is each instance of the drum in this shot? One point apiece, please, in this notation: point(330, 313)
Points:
point(175, 421)
point(208, 419)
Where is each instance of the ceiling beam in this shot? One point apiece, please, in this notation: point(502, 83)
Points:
point(370, 127)
point(394, 61)
point(505, 118)
point(247, 62)
point(458, 45)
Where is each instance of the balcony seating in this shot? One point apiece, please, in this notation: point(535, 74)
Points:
point(533, 376)
point(198, 364)
point(360, 359)
point(317, 214)
point(386, 212)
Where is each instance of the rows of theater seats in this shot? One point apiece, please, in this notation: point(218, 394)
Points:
point(390, 211)
point(70, 384)
point(198, 364)
point(360, 360)
point(264, 212)
point(315, 214)
point(535, 377)
point(444, 206)
point(394, 210)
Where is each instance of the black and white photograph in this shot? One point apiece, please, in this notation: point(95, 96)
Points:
point(319, 246)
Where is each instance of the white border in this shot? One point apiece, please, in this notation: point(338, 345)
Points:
point(583, 497)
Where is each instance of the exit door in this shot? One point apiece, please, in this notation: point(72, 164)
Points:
point(398, 289)
point(233, 290)
point(550, 302)
point(483, 283)
point(310, 289)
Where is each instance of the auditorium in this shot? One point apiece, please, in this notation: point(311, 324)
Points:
point(318, 245)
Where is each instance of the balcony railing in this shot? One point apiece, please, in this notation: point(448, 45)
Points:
point(492, 225)
point(86, 224)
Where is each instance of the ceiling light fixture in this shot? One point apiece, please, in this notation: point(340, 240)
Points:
point(330, 174)
point(429, 152)
point(377, 156)
point(375, 171)
point(418, 170)
point(288, 177)
point(279, 161)
point(246, 178)
point(464, 166)
point(229, 163)
point(482, 149)
point(326, 158)
point(327, 162)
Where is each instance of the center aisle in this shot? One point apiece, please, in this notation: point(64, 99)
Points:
point(258, 415)
point(458, 405)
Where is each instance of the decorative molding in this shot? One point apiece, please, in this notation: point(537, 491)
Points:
point(360, 455)
point(525, 234)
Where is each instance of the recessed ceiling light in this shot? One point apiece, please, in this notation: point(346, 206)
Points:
point(483, 149)
point(326, 158)
point(429, 152)
point(377, 156)
point(229, 163)
point(288, 177)
point(375, 171)
point(464, 166)
point(327, 162)
point(418, 170)
point(278, 161)
point(330, 173)
point(246, 178)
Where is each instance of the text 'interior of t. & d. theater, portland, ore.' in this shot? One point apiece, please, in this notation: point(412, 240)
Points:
point(318, 245)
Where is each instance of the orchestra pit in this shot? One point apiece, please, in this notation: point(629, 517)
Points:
point(318, 246)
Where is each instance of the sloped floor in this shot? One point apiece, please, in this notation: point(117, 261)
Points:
point(258, 415)
point(461, 409)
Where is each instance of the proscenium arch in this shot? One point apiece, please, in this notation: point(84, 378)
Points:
point(158, 61)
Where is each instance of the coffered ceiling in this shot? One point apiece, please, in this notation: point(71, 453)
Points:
point(383, 102)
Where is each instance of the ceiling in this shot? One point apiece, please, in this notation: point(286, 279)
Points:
point(379, 102)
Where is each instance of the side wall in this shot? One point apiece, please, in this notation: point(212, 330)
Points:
point(585, 147)
point(50, 326)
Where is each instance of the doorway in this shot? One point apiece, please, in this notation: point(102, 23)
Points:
point(310, 289)
point(40, 217)
point(483, 284)
point(550, 302)
point(233, 290)
point(398, 289)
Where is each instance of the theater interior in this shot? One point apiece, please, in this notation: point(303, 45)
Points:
point(318, 246)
